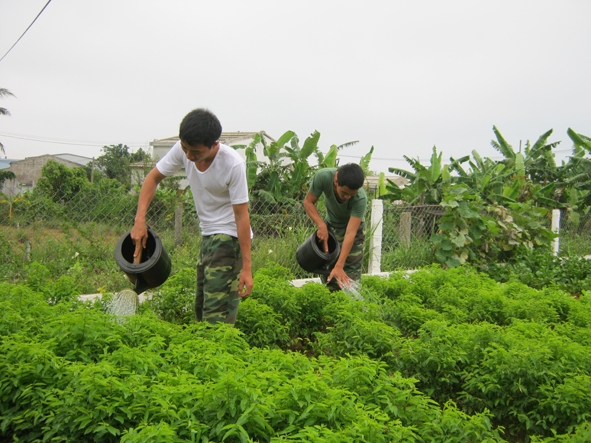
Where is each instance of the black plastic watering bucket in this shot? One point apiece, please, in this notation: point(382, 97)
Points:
point(312, 258)
point(154, 268)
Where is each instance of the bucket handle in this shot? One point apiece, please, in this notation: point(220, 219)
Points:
point(324, 270)
point(140, 285)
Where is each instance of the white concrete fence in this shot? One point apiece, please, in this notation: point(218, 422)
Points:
point(375, 245)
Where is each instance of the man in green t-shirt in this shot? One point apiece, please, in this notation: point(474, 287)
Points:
point(346, 205)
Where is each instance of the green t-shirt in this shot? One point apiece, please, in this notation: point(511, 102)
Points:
point(337, 214)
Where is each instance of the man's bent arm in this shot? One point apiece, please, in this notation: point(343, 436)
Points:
point(338, 270)
point(242, 218)
point(139, 232)
point(312, 211)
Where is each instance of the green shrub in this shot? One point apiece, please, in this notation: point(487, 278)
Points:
point(539, 269)
point(174, 301)
point(262, 326)
point(360, 337)
point(408, 314)
point(417, 255)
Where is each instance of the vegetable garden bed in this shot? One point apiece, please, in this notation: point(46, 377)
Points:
point(428, 357)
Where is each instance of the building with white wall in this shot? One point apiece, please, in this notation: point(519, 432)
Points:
point(162, 146)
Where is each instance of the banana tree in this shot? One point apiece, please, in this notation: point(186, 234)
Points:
point(580, 140)
point(484, 176)
point(531, 175)
point(330, 159)
point(282, 176)
point(579, 168)
point(426, 183)
point(252, 165)
point(365, 160)
point(11, 201)
point(382, 189)
point(297, 176)
point(265, 177)
point(513, 160)
point(540, 161)
point(3, 111)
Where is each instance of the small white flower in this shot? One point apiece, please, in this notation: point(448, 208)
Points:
point(76, 255)
point(289, 227)
point(270, 251)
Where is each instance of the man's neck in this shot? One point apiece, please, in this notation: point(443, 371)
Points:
point(203, 165)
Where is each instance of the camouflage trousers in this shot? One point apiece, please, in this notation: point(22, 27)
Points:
point(218, 273)
point(354, 260)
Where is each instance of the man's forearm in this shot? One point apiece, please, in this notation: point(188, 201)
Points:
point(243, 231)
point(345, 249)
point(147, 193)
point(143, 205)
point(313, 213)
point(245, 244)
point(348, 240)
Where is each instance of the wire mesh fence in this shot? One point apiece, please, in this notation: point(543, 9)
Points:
point(55, 226)
point(574, 234)
point(47, 228)
point(405, 235)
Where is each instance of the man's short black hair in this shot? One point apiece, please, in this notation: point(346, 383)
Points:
point(351, 175)
point(200, 127)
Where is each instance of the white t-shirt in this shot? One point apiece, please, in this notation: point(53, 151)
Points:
point(215, 190)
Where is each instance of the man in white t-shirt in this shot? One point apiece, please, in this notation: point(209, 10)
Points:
point(217, 176)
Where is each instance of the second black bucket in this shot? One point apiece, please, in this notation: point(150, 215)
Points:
point(311, 256)
point(154, 268)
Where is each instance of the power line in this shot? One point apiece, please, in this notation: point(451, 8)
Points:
point(49, 1)
point(557, 151)
point(69, 142)
point(144, 144)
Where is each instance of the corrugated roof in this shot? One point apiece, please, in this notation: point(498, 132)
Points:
point(372, 180)
point(226, 138)
point(73, 158)
point(82, 161)
point(229, 137)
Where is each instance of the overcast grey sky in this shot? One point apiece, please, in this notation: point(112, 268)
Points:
point(402, 76)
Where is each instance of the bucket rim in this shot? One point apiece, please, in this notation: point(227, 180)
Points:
point(327, 258)
point(139, 268)
point(326, 255)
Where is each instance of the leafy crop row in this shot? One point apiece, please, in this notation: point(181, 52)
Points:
point(72, 373)
point(539, 269)
point(522, 354)
point(436, 355)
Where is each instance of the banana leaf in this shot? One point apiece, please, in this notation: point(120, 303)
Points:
point(502, 146)
point(330, 160)
point(434, 171)
point(287, 136)
point(511, 192)
point(579, 139)
point(251, 166)
point(364, 162)
point(540, 144)
point(310, 145)
point(403, 173)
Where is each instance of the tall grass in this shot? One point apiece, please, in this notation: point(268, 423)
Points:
point(417, 255)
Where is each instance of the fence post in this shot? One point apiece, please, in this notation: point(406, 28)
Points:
point(405, 228)
point(375, 240)
point(556, 230)
point(178, 224)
